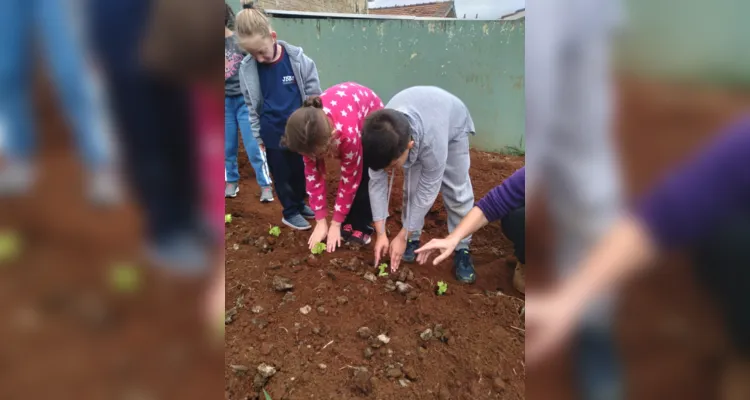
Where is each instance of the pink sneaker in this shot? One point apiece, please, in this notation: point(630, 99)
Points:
point(360, 238)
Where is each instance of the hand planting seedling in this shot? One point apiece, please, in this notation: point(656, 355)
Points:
point(318, 248)
point(10, 246)
point(275, 231)
point(382, 268)
point(442, 288)
point(124, 278)
point(228, 218)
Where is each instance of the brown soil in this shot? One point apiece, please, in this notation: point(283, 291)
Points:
point(319, 355)
point(66, 333)
point(670, 332)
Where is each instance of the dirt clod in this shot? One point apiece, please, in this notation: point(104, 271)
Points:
point(305, 310)
point(369, 276)
point(342, 300)
point(288, 298)
point(257, 309)
point(410, 373)
point(394, 373)
point(383, 338)
point(362, 381)
point(444, 394)
point(312, 260)
point(426, 334)
point(364, 332)
point(403, 288)
point(265, 372)
point(368, 353)
point(281, 284)
point(390, 286)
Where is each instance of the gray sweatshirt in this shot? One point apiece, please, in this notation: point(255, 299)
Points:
point(305, 73)
point(437, 119)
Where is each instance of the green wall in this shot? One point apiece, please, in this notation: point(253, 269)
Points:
point(481, 62)
point(688, 39)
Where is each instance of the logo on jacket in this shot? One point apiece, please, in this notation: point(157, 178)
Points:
point(288, 80)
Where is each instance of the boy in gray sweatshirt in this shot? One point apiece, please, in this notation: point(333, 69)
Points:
point(425, 130)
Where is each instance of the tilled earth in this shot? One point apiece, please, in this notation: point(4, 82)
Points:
point(328, 327)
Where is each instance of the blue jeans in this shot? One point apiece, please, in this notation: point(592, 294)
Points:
point(237, 116)
point(21, 21)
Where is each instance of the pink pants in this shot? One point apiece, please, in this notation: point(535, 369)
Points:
point(209, 114)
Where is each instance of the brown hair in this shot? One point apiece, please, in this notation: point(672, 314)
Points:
point(308, 130)
point(251, 21)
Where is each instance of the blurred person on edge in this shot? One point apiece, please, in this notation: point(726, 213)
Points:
point(71, 70)
point(237, 117)
point(331, 125)
point(505, 203)
point(572, 157)
point(152, 53)
point(702, 207)
point(276, 78)
point(425, 130)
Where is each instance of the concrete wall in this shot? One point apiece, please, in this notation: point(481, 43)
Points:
point(482, 62)
point(329, 6)
point(689, 39)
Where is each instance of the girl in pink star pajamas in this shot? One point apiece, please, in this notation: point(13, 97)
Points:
point(331, 125)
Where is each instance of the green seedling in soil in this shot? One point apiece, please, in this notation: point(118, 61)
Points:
point(124, 278)
point(442, 288)
point(228, 218)
point(275, 231)
point(318, 248)
point(266, 395)
point(10, 246)
point(382, 269)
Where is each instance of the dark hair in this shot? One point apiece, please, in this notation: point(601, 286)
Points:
point(228, 16)
point(385, 137)
point(308, 130)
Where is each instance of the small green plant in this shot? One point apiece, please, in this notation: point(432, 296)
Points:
point(442, 288)
point(124, 278)
point(266, 395)
point(10, 246)
point(275, 231)
point(228, 218)
point(318, 248)
point(383, 269)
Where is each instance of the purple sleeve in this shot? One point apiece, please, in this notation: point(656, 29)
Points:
point(508, 196)
point(708, 189)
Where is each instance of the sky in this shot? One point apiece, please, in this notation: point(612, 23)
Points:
point(487, 9)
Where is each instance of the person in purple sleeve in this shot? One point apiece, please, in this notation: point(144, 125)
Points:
point(505, 203)
point(703, 207)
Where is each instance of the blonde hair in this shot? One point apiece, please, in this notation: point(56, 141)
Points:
point(251, 21)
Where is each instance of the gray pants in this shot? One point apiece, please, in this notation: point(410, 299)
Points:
point(570, 148)
point(458, 194)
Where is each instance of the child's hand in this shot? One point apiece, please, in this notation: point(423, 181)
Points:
point(334, 237)
point(319, 234)
point(444, 246)
point(381, 247)
point(398, 248)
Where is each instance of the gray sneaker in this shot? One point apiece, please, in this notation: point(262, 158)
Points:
point(231, 189)
point(16, 178)
point(297, 222)
point(266, 194)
